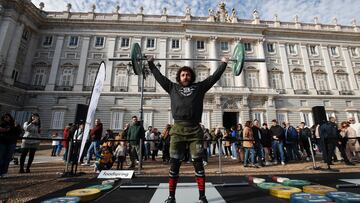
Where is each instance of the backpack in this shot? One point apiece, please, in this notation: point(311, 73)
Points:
point(292, 135)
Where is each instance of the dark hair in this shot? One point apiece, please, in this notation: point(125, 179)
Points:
point(134, 117)
point(12, 121)
point(186, 69)
point(38, 124)
point(248, 123)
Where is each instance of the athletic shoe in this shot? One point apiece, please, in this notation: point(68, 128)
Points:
point(170, 200)
point(85, 164)
point(202, 200)
point(283, 163)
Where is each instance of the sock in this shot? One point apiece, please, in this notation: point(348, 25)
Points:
point(201, 185)
point(172, 186)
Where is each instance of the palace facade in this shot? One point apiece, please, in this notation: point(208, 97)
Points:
point(49, 60)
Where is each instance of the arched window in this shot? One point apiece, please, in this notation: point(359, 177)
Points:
point(91, 74)
point(67, 75)
point(252, 77)
point(39, 74)
point(342, 81)
point(121, 76)
point(321, 81)
point(202, 72)
point(276, 77)
point(298, 78)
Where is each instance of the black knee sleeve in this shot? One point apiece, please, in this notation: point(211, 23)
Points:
point(174, 168)
point(199, 167)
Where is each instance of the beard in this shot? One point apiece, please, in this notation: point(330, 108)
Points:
point(185, 83)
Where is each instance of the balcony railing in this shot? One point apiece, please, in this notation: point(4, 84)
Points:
point(301, 91)
point(119, 89)
point(63, 88)
point(346, 92)
point(324, 92)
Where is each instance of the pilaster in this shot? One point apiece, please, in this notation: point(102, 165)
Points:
point(82, 64)
point(55, 64)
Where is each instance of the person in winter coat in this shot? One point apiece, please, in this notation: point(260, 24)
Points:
point(29, 146)
point(134, 134)
point(9, 133)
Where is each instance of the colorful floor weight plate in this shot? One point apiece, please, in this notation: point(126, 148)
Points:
point(296, 183)
point(63, 200)
point(283, 191)
point(344, 197)
point(318, 189)
point(102, 187)
point(86, 194)
point(303, 197)
point(267, 185)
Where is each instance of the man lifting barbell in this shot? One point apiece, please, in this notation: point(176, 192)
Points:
point(186, 107)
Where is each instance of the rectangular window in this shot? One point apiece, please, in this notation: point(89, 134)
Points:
point(148, 119)
point(228, 79)
point(99, 41)
point(333, 51)
point(306, 117)
point(58, 120)
point(73, 41)
point(258, 116)
point(348, 103)
point(292, 49)
point(313, 50)
point(316, 63)
point(201, 75)
point(47, 40)
point(205, 119)
point(125, 42)
point(200, 45)
point(247, 47)
point(224, 46)
point(354, 51)
point(270, 47)
point(117, 118)
point(276, 81)
point(299, 82)
point(281, 117)
point(252, 80)
point(342, 82)
point(175, 44)
point(150, 43)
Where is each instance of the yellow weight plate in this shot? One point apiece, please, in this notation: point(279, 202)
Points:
point(85, 194)
point(318, 189)
point(283, 191)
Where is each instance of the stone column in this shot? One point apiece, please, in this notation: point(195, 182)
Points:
point(328, 67)
point(25, 76)
point(285, 68)
point(82, 64)
point(55, 64)
point(263, 72)
point(162, 54)
point(109, 64)
point(13, 53)
point(213, 54)
point(350, 70)
point(308, 72)
point(188, 50)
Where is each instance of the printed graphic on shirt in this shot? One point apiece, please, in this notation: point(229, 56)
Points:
point(187, 91)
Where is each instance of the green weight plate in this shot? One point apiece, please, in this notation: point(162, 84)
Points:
point(239, 56)
point(296, 183)
point(102, 187)
point(267, 185)
point(347, 197)
point(303, 197)
point(136, 58)
point(63, 200)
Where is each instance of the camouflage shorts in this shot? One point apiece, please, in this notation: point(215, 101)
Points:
point(185, 136)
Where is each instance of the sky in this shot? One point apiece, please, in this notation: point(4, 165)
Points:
point(326, 10)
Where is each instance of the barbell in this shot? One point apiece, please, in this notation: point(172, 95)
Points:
point(238, 59)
